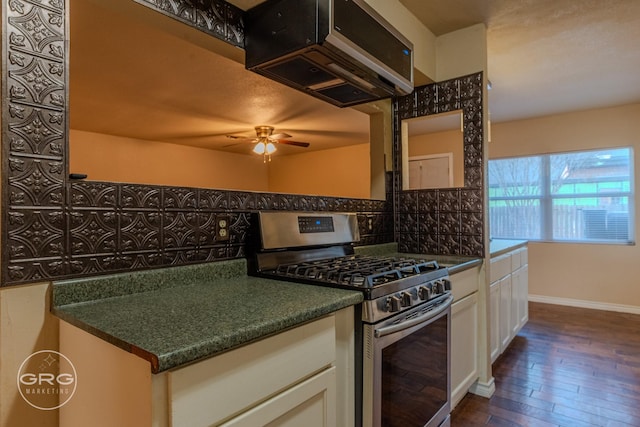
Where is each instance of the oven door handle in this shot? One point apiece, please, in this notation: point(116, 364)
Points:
point(387, 330)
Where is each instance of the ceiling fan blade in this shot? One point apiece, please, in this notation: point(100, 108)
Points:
point(296, 143)
point(280, 136)
point(241, 138)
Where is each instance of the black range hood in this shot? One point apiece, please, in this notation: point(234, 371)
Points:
point(341, 51)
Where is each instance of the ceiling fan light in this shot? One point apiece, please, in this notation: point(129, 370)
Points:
point(260, 148)
point(270, 148)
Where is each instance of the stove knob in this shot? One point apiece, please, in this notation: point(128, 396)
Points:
point(406, 299)
point(423, 293)
point(393, 303)
point(438, 287)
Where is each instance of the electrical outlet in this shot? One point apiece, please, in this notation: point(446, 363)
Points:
point(222, 228)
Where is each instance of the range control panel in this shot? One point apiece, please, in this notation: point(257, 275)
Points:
point(283, 229)
point(315, 224)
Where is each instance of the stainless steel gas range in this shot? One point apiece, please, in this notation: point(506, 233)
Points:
point(403, 327)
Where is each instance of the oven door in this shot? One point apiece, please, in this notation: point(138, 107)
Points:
point(406, 368)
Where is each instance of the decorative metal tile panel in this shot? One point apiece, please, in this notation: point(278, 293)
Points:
point(218, 199)
point(35, 182)
point(34, 82)
point(428, 201)
point(471, 200)
point(93, 231)
point(35, 233)
point(449, 200)
point(448, 95)
point(139, 231)
point(426, 100)
point(427, 222)
point(449, 221)
point(139, 197)
point(214, 17)
point(56, 228)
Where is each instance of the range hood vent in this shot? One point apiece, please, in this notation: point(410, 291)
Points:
point(341, 51)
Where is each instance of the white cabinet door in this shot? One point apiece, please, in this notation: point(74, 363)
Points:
point(505, 312)
point(464, 346)
point(514, 321)
point(310, 404)
point(523, 296)
point(432, 171)
point(508, 299)
point(494, 319)
point(215, 389)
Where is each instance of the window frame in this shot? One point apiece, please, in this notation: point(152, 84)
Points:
point(546, 199)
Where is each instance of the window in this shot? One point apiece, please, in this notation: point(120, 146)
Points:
point(584, 196)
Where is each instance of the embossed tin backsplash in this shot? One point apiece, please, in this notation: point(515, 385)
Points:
point(443, 221)
point(54, 228)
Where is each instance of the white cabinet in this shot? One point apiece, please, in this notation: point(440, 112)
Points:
point(520, 283)
point(494, 319)
point(523, 292)
point(504, 312)
point(262, 373)
point(309, 404)
point(302, 376)
point(509, 290)
point(464, 333)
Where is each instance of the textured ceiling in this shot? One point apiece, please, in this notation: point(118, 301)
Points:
point(545, 57)
point(130, 79)
point(549, 56)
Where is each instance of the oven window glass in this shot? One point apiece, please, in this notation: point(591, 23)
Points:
point(414, 376)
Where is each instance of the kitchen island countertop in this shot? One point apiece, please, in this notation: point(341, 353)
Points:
point(173, 319)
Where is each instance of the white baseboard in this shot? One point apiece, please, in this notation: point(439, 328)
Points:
point(633, 309)
point(484, 389)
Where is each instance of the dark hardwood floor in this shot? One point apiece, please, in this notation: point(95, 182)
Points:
point(569, 367)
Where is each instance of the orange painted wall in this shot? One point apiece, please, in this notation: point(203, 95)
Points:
point(111, 158)
point(340, 172)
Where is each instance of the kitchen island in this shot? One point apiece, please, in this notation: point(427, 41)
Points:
point(187, 343)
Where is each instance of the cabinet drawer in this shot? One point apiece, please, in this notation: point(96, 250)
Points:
point(310, 404)
point(464, 283)
point(500, 267)
point(464, 346)
point(215, 389)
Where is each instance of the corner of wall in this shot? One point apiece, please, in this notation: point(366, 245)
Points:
point(27, 325)
point(461, 52)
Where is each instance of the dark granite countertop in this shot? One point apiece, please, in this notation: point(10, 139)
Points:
point(172, 318)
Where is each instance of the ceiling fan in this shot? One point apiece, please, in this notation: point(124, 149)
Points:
point(266, 141)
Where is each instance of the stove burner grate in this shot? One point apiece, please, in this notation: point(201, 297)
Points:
point(357, 270)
